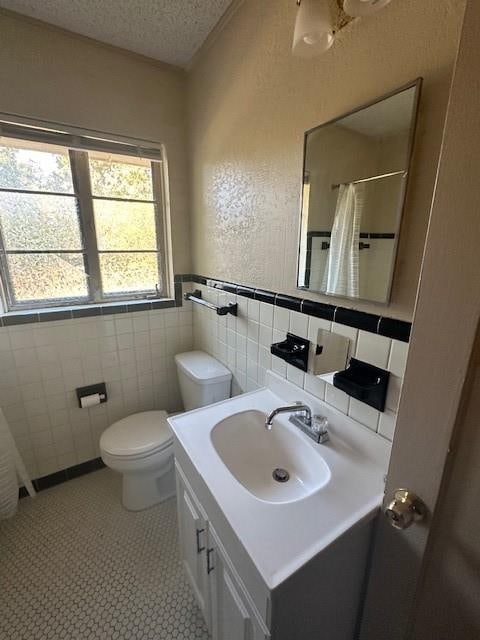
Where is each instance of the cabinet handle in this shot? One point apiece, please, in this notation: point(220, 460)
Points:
point(199, 547)
point(210, 567)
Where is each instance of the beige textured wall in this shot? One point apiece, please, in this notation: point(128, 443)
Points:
point(250, 103)
point(51, 75)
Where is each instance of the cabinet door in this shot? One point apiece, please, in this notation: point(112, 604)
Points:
point(231, 614)
point(193, 537)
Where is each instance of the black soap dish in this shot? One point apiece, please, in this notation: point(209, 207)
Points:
point(364, 382)
point(294, 350)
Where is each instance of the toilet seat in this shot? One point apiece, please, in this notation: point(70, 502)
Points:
point(137, 436)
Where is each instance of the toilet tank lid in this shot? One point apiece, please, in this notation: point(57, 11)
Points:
point(202, 367)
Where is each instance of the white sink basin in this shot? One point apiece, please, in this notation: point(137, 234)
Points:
point(252, 453)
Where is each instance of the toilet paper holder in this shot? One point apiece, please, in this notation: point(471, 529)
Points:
point(91, 390)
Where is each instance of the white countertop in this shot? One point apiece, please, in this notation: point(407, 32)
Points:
point(281, 537)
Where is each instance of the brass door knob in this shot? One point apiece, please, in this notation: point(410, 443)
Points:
point(405, 509)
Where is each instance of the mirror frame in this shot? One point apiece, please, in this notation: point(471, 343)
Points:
point(417, 85)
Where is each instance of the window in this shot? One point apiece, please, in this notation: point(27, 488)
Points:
point(79, 224)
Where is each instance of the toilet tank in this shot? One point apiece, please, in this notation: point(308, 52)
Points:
point(203, 379)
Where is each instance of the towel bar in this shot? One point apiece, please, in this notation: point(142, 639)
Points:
point(196, 297)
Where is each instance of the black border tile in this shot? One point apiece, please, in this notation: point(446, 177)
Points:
point(86, 312)
point(114, 309)
point(265, 296)
point(318, 309)
point(163, 304)
point(357, 319)
point(381, 236)
point(246, 292)
point(389, 327)
point(45, 482)
point(22, 493)
point(396, 329)
point(229, 287)
point(49, 316)
point(288, 302)
point(178, 294)
point(10, 320)
point(53, 479)
point(85, 467)
point(139, 306)
point(216, 284)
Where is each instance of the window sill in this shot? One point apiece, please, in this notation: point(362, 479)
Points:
point(12, 318)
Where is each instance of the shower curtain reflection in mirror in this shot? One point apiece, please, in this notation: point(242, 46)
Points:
point(342, 269)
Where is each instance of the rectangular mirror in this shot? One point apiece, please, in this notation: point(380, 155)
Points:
point(354, 181)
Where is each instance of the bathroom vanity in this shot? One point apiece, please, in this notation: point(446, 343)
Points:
point(269, 559)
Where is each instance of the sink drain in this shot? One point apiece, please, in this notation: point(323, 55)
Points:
point(280, 475)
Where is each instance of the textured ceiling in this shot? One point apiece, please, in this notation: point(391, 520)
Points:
point(167, 30)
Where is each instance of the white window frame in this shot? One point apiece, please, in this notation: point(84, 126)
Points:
point(78, 143)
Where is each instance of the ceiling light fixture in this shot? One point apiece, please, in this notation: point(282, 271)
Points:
point(360, 8)
point(315, 28)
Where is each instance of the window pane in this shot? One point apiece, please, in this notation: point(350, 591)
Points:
point(47, 276)
point(115, 176)
point(37, 222)
point(128, 272)
point(125, 225)
point(33, 166)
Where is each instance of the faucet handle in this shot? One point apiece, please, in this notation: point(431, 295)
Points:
point(319, 427)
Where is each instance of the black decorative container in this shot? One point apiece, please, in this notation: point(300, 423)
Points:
point(294, 350)
point(364, 382)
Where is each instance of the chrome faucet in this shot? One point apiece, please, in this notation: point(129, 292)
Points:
point(298, 407)
point(314, 426)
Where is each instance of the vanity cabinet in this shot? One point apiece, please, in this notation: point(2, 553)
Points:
point(233, 614)
point(192, 522)
point(321, 600)
point(225, 603)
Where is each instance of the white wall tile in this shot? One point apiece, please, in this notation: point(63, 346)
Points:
point(298, 324)
point(296, 376)
point(266, 314)
point(134, 354)
point(373, 349)
point(398, 358)
point(252, 369)
point(281, 319)
point(386, 424)
point(47, 362)
point(252, 349)
point(336, 398)
point(242, 362)
point(279, 366)
point(265, 335)
point(393, 392)
point(364, 413)
point(254, 310)
point(315, 386)
point(253, 330)
point(264, 357)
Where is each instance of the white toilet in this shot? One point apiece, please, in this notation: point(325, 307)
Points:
point(140, 446)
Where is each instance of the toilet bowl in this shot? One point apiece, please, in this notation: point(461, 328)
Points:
point(140, 446)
